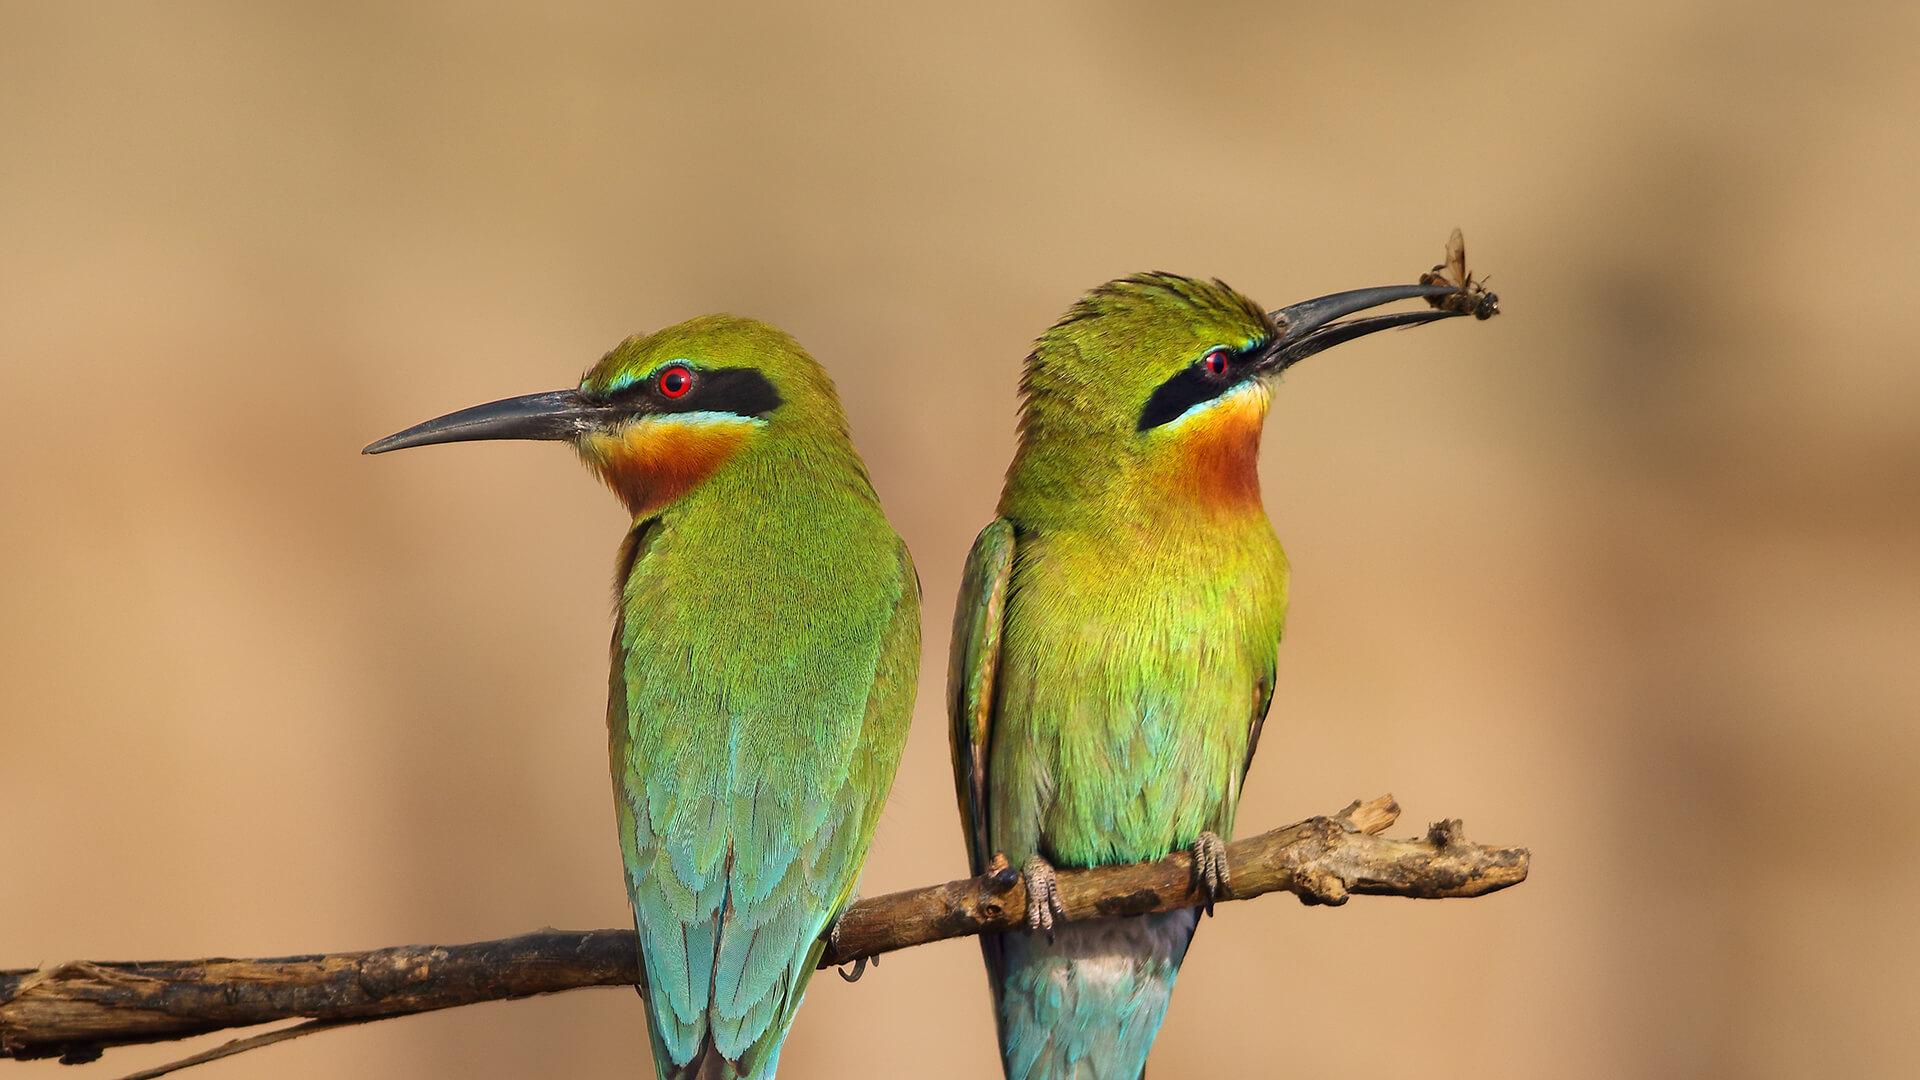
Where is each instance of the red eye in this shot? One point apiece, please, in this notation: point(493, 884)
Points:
point(1214, 363)
point(675, 382)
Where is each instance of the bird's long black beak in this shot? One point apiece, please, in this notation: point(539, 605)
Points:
point(556, 415)
point(1310, 325)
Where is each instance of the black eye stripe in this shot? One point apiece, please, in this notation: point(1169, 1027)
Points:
point(741, 391)
point(1192, 385)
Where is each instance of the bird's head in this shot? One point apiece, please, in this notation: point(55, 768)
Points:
point(1168, 377)
point(664, 412)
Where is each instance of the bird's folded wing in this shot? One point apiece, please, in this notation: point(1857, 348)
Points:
point(974, 664)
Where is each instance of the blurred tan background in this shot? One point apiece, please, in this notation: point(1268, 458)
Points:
point(1628, 575)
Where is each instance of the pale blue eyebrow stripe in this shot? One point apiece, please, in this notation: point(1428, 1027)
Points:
point(705, 416)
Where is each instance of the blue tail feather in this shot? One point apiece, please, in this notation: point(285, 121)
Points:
point(1087, 1005)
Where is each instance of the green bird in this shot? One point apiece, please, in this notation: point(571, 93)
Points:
point(766, 645)
point(1114, 642)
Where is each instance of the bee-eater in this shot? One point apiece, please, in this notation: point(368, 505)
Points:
point(765, 648)
point(1114, 643)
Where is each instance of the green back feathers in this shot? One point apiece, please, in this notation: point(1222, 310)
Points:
point(763, 675)
point(766, 640)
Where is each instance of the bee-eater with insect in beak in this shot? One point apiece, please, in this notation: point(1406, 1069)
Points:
point(765, 648)
point(1114, 642)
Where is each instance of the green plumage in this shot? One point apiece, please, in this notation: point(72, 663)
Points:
point(765, 648)
point(1114, 653)
point(764, 659)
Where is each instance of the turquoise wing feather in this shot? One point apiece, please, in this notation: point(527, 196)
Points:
point(750, 765)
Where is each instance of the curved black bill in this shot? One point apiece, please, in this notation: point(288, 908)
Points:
point(1310, 326)
point(556, 415)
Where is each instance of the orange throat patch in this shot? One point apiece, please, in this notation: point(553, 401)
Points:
point(653, 462)
point(1214, 455)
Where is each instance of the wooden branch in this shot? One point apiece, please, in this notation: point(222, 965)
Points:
point(241, 1046)
point(76, 1010)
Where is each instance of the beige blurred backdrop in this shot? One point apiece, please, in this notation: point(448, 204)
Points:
point(1627, 575)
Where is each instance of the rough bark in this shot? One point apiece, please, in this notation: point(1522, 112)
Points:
point(75, 1010)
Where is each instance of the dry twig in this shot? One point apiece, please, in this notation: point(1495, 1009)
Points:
point(78, 1009)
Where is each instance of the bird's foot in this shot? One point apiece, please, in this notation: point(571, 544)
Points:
point(1000, 873)
point(1043, 895)
point(1210, 874)
point(859, 966)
